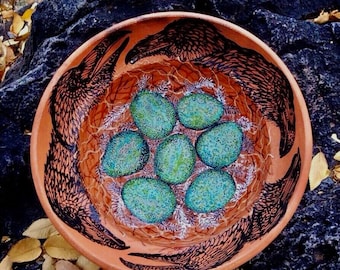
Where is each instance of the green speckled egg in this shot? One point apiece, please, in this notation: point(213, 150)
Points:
point(175, 159)
point(126, 153)
point(153, 114)
point(221, 145)
point(199, 111)
point(148, 199)
point(210, 191)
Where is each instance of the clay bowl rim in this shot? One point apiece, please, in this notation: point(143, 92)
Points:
point(252, 249)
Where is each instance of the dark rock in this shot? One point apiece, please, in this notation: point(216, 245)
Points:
point(311, 51)
point(311, 239)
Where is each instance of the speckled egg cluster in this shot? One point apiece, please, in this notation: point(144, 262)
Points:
point(153, 200)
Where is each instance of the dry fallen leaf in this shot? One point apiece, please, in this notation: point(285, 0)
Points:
point(325, 17)
point(57, 247)
point(5, 6)
point(6, 263)
point(65, 265)
point(17, 24)
point(335, 138)
point(334, 15)
point(18, 32)
point(40, 229)
point(322, 18)
point(3, 55)
point(337, 156)
point(48, 263)
point(5, 239)
point(85, 264)
point(336, 173)
point(28, 13)
point(7, 14)
point(26, 250)
point(319, 170)
point(10, 56)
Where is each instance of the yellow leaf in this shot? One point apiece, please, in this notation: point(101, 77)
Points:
point(25, 250)
point(28, 13)
point(319, 170)
point(322, 18)
point(6, 263)
point(17, 24)
point(85, 264)
point(337, 156)
point(57, 247)
point(65, 265)
point(40, 229)
point(48, 263)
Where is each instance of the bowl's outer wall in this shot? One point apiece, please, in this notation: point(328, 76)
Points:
point(42, 128)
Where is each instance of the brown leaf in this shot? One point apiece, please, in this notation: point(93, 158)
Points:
point(3, 54)
point(85, 264)
point(5, 6)
point(40, 229)
point(5, 239)
point(10, 56)
point(336, 173)
point(334, 15)
point(65, 265)
point(57, 247)
point(318, 171)
point(325, 17)
point(6, 263)
point(26, 250)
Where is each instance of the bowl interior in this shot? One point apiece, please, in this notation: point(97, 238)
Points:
point(155, 98)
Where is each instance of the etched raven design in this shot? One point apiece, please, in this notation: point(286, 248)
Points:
point(72, 97)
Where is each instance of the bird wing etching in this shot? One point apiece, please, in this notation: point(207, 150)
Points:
point(201, 43)
point(266, 213)
point(72, 97)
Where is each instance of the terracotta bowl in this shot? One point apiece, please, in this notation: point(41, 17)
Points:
point(171, 141)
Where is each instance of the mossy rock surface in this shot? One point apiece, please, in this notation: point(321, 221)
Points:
point(199, 111)
point(148, 199)
point(210, 191)
point(153, 114)
point(175, 159)
point(126, 153)
point(221, 145)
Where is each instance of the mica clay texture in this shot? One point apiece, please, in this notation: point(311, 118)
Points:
point(311, 52)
